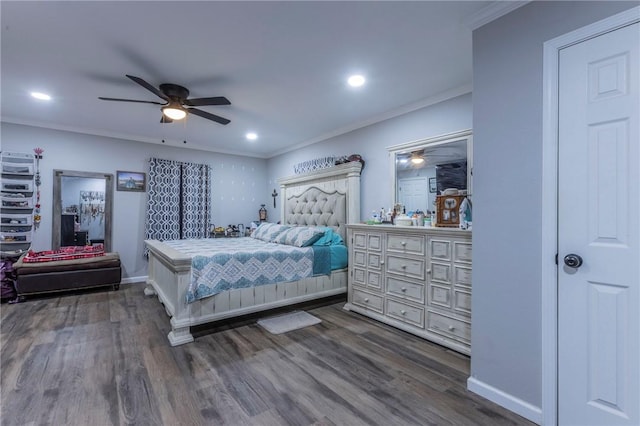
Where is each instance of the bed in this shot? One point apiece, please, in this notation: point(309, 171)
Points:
point(324, 198)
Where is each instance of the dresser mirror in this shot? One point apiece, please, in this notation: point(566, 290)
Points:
point(425, 168)
point(82, 208)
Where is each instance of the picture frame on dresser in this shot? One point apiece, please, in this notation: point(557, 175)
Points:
point(433, 185)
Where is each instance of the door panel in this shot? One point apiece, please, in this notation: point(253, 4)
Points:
point(598, 219)
point(413, 193)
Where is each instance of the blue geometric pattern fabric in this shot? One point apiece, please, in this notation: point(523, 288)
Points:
point(179, 200)
point(196, 200)
point(163, 206)
point(225, 263)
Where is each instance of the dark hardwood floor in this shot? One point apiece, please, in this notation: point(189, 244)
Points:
point(102, 358)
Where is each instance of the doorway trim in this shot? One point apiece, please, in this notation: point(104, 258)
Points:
point(550, 199)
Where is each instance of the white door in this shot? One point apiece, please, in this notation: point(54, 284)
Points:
point(413, 193)
point(598, 220)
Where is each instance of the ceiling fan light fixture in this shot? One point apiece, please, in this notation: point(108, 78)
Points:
point(174, 112)
point(416, 159)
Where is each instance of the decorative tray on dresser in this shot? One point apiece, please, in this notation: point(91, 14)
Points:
point(417, 279)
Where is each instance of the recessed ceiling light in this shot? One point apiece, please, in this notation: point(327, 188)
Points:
point(356, 80)
point(41, 96)
point(251, 136)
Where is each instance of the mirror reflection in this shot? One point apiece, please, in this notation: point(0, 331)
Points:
point(82, 209)
point(426, 168)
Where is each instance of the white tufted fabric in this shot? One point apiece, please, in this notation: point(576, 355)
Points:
point(315, 207)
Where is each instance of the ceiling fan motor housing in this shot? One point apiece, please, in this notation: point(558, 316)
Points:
point(174, 91)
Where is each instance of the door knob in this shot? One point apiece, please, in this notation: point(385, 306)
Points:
point(573, 260)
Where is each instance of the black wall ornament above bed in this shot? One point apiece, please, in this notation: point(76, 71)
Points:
point(274, 195)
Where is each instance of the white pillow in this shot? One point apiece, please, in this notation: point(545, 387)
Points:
point(299, 236)
point(268, 231)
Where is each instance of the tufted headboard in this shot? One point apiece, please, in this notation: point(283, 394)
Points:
point(327, 197)
point(315, 207)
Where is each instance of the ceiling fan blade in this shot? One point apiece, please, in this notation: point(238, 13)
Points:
point(147, 86)
point(130, 100)
point(218, 100)
point(208, 116)
point(165, 120)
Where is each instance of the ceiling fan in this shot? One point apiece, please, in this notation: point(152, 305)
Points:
point(176, 105)
point(418, 157)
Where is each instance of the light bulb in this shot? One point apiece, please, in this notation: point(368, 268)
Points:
point(174, 113)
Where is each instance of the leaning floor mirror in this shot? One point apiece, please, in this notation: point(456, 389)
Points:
point(82, 208)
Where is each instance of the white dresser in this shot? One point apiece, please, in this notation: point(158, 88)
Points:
point(413, 278)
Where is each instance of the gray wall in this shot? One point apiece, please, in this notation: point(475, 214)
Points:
point(372, 141)
point(507, 124)
point(238, 182)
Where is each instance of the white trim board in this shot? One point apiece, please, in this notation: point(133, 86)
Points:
point(550, 199)
point(134, 280)
point(518, 406)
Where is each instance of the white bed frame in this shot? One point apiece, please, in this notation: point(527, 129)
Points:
point(170, 270)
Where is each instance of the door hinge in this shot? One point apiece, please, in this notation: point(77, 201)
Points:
point(556, 258)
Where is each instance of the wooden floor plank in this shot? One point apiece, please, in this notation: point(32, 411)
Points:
point(102, 358)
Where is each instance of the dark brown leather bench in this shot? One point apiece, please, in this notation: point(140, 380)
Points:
point(64, 275)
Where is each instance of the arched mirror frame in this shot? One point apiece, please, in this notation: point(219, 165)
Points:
point(436, 141)
point(57, 204)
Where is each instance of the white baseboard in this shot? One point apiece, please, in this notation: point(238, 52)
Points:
point(510, 402)
point(134, 280)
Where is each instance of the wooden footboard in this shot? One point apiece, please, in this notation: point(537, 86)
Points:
point(169, 276)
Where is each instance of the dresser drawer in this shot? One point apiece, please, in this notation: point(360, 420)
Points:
point(16, 185)
point(15, 237)
point(405, 313)
point(367, 300)
point(9, 202)
point(448, 326)
point(405, 289)
point(405, 244)
point(17, 219)
point(406, 266)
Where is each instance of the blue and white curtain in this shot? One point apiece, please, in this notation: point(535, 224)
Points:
point(179, 204)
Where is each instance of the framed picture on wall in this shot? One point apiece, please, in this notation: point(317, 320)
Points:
point(432, 185)
point(131, 181)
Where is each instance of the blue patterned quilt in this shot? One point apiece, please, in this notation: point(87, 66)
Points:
point(226, 263)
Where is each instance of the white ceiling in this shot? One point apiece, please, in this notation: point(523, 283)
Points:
point(283, 66)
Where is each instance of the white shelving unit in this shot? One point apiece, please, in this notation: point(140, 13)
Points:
point(16, 196)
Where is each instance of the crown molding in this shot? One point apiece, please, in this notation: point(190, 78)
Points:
point(432, 100)
point(492, 12)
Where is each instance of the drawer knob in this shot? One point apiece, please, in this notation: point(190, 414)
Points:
point(404, 266)
point(451, 328)
point(366, 299)
point(428, 271)
point(403, 289)
point(403, 312)
point(382, 262)
point(403, 243)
